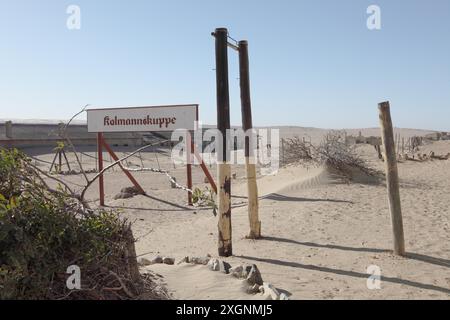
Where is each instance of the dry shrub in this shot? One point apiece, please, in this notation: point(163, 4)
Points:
point(296, 151)
point(341, 158)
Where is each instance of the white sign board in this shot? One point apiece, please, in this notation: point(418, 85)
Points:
point(142, 119)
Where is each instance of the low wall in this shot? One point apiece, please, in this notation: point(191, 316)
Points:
point(25, 135)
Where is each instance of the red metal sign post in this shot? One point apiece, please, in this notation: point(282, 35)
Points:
point(190, 152)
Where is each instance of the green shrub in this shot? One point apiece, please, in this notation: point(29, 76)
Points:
point(42, 233)
point(204, 198)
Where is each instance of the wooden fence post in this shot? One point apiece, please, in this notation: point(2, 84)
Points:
point(247, 126)
point(392, 178)
point(223, 125)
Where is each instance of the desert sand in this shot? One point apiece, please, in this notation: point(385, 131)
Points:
point(320, 234)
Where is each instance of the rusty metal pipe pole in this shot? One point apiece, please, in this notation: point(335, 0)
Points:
point(247, 126)
point(223, 125)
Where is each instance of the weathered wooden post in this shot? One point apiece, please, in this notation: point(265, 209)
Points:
point(247, 126)
point(387, 134)
point(223, 125)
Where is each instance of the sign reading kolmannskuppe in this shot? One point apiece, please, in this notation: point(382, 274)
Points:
point(141, 119)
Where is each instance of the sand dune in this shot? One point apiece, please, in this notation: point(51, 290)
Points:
point(320, 234)
point(320, 237)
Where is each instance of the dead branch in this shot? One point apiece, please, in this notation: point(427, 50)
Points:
point(332, 152)
point(122, 285)
point(171, 179)
point(53, 178)
point(90, 182)
point(69, 141)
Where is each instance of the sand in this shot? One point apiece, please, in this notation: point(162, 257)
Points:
point(320, 234)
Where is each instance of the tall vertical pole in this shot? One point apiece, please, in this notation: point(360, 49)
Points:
point(247, 125)
point(100, 167)
point(387, 134)
point(189, 165)
point(223, 125)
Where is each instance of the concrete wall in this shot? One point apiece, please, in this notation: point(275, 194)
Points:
point(39, 135)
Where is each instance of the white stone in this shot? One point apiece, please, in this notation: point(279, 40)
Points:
point(213, 265)
point(283, 296)
point(142, 262)
point(270, 292)
point(237, 271)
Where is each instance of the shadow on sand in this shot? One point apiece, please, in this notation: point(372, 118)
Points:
point(178, 207)
point(414, 256)
point(280, 197)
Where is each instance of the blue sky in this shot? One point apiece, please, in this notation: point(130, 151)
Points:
point(313, 63)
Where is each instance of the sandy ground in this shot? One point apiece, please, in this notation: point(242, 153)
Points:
point(320, 235)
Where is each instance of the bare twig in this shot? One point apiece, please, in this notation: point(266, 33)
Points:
point(72, 194)
point(90, 182)
point(122, 284)
point(171, 179)
point(67, 138)
point(333, 152)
